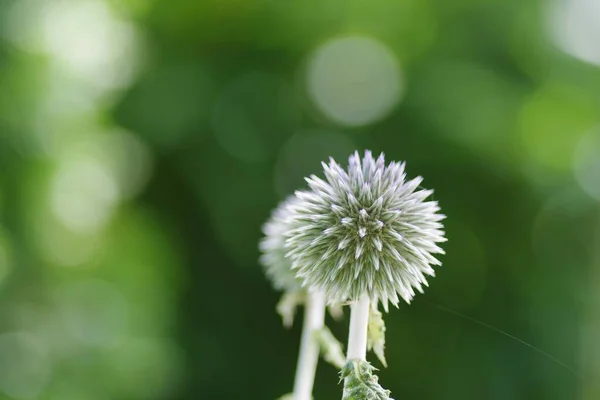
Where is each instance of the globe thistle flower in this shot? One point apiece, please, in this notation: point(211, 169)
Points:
point(364, 230)
point(277, 266)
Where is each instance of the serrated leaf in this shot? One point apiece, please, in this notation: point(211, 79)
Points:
point(360, 383)
point(330, 347)
point(288, 304)
point(376, 334)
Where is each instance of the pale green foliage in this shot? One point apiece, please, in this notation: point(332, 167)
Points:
point(364, 230)
point(331, 348)
point(288, 304)
point(291, 300)
point(376, 334)
point(335, 310)
point(360, 383)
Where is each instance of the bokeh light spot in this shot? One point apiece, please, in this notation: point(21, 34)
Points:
point(128, 158)
point(5, 256)
point(94, 312)
point(354, 80)
point(83, 193)
point(87, 39)
point(18, 23)
point(587, 164)
point(25, 367)
point(147, 368)
point(70, 390)
point(590, 354)
point(58, 245)
point(561, 235)
point(551, 123)
point(574, 26)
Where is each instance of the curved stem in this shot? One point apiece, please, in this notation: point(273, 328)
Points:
point(314, 318)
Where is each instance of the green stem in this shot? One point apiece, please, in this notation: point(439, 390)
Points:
point(314, 319)
point(360, 383)
point(359, 323)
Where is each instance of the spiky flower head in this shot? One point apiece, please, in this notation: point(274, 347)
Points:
point(366, 229)
point(277, 266)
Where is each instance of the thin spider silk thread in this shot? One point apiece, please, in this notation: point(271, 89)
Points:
point(541, 352)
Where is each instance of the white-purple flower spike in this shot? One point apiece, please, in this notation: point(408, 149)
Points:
point(364, 230)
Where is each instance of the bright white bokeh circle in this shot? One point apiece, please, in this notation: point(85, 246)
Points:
point(83, 193)
point(354, 80)
point(587, 164)
point(574, 27)
point(94, 311)
point(25, 367)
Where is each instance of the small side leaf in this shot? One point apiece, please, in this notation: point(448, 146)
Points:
point(336, 311)
point(288, 304)
point(360, 383)
point(331, 348)
point(376, 335)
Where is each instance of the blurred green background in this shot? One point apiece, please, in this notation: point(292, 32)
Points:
point(144, 142)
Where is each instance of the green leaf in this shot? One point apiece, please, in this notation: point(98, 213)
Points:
point(376, 334)
point(288, 304)
point(330, 347)
point(360, 383)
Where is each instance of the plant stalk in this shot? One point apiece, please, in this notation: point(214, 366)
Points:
point(314, 319)
point(359, 323)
